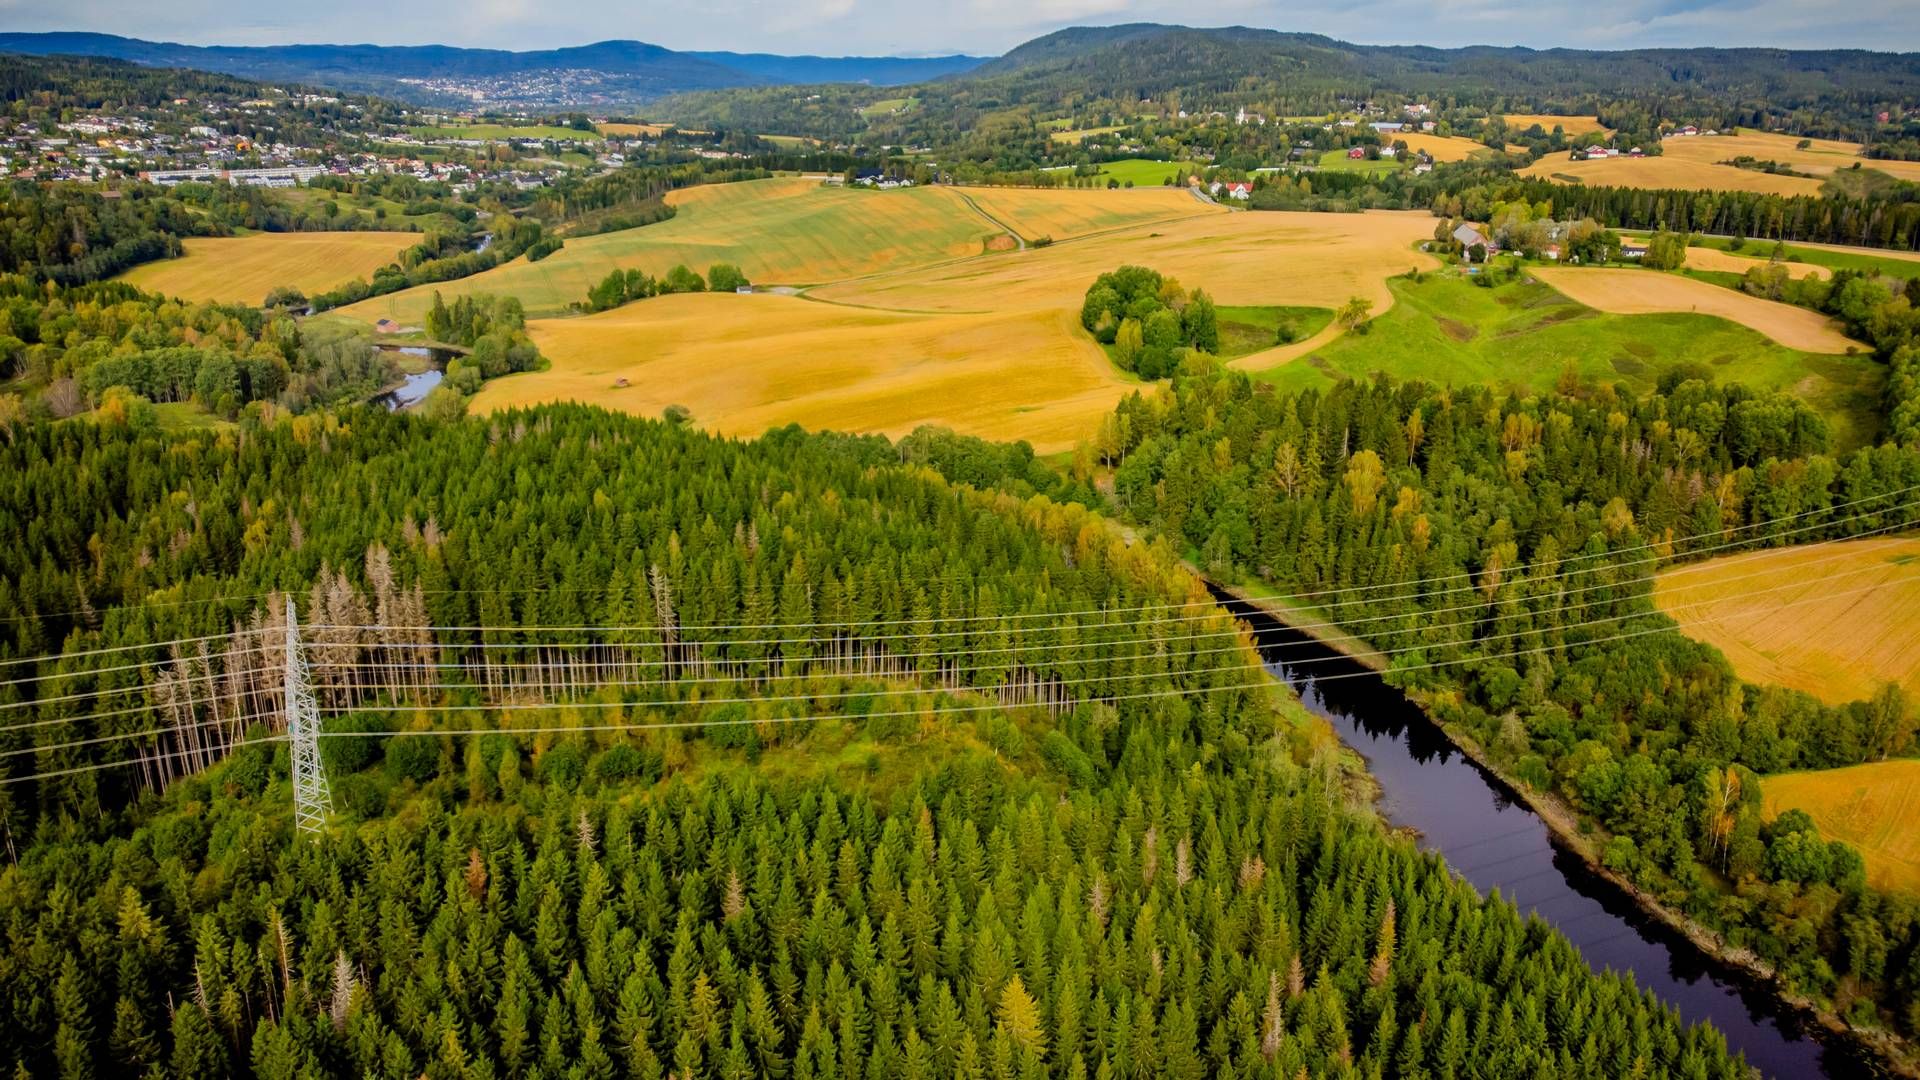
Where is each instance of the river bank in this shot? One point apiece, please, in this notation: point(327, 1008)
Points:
point(1873, 1050)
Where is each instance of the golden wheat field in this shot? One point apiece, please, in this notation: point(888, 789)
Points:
point(743, 364)
point(1440, 147)
point(1873, 807)
point(243, 269)
point(1572, 125)
point(628, 131)
point(783, 231)
point(1640, 292)
point(1669, 171)
point(1821, 158)
point(1065, 213)
point(987, 344)
point(1849, 628)
point(1706, 258)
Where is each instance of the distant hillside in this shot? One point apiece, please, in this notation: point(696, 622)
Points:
point(604, 72)
point(1117, 59)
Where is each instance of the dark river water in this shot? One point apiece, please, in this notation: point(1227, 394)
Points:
point(1494, 841)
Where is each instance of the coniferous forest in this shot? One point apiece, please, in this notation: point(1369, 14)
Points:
point(1533, 526)
point(1126, 861)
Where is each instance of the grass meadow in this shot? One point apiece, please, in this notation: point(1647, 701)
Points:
point(1446, 330)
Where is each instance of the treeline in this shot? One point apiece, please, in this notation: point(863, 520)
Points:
point(1499, 550)
point(445, 256)
point(625, 286)
point(74, 343)
point(1150, 871)
point(1832, 218)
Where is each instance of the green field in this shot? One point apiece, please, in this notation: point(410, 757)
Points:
point(1245, 330)
point(887, 106)
point(1143, 172)
point(502, 131)
point(1338, 161)
point(786, 231)
point(1446, 330)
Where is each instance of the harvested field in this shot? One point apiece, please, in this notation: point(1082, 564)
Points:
point(1873, 807)
point(1669, 171)
point(1841, 648)
point(1636, 292)
point(1821, 158)
point(743, 364)
point(990, 346)
point(787, 231)
point(243, 269)
point(630, 131)
point(1706, 258)
point(1572, 125)
point(1065, 213)
point(1272, 257)
point(1440, 147)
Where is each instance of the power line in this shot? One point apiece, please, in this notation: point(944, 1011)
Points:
point(1517, 569)
point(165, 756)
point(546, 687)
point(590, 687)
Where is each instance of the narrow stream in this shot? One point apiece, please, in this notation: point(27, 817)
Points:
point(416, 384)
point(1495, 841)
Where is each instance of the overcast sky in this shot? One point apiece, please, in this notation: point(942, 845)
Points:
point(893, 27)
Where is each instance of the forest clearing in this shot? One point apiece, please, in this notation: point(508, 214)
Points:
point(1627, 291)
point(243, 269)
point(1871, 806)
point(1838, 649)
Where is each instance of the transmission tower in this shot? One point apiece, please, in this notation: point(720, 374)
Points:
point(312, 802)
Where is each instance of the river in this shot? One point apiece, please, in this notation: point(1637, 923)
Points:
point(1495, 841)
point(415, 385)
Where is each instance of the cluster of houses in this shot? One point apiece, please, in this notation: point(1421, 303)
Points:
point(1232, 189)
point(875, 178)
point(1467, 235)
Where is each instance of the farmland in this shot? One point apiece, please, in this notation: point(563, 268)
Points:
point(1852, 626)
point(1639, 292)
point(1719, 260)
point(791, 232)
point(990, 344)
point(1697, 161)
point(632, 131)
point(1075, 135)
point(1338, 161)
point(1069, 212)
point(743, 364)
point(1668, 171)
point(1572, 125)
point(1448, 331)
point(1870, 806)
point(243, 269)
point(1440, 147)
point(1141, 172)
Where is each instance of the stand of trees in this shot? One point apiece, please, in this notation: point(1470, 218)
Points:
point(1072, 880)
point(73, 343)
point(1536, 523)
point(1150, 321)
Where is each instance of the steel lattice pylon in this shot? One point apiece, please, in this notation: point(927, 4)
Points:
point(312, 801)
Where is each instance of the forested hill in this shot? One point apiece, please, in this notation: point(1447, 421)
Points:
point(1107, 72)
point(1153, 58)
point(626, 70)
point(1017, 841)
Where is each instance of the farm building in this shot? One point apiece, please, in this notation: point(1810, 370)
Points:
point(1467, 235)
point(1357, 153)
